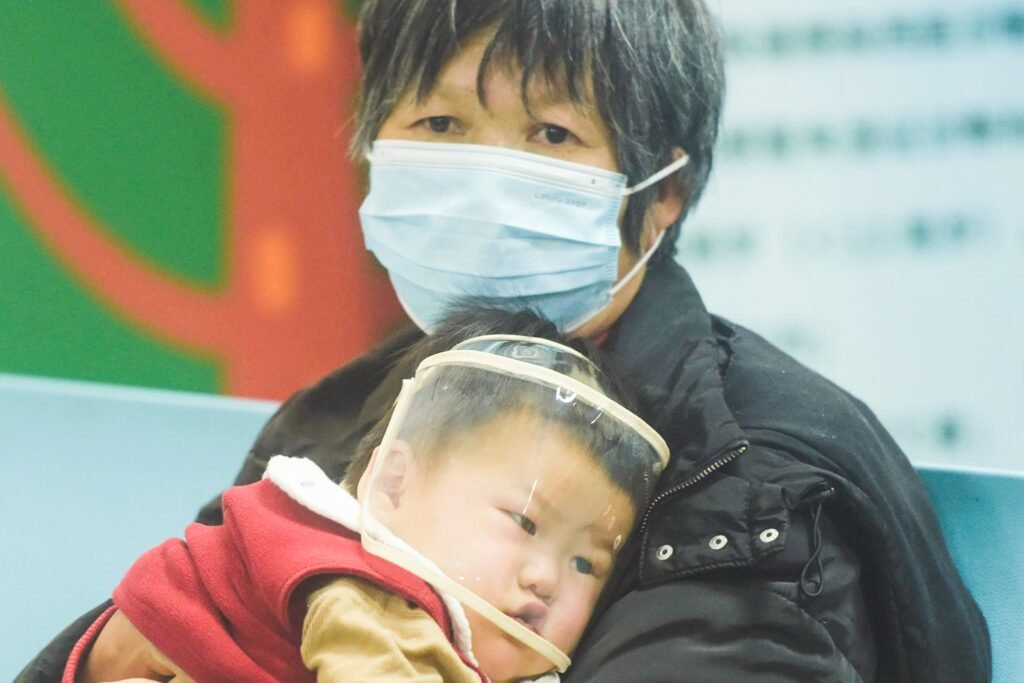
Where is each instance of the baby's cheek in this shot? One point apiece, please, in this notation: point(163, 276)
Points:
point(571, 621)
point(502, 657)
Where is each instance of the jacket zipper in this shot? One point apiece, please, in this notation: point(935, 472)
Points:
point(712, 467)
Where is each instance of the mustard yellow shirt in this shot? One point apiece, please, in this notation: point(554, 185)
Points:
point(355, 631)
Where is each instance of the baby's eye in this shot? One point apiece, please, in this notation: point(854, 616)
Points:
point(582, 565)
point(524, 522)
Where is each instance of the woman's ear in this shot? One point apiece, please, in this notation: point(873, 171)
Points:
point(392, 471)
point(672, 197)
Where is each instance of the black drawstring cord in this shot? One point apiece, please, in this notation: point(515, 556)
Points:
point(813, 585)
point(812, 588)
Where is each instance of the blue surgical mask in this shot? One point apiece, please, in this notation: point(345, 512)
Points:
point(456, 221)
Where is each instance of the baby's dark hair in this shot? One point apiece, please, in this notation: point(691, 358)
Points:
point(462, 398)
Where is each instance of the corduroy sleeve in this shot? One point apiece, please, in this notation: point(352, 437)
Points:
point(354, 630)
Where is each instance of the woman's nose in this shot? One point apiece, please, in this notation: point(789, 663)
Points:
point(493, 136)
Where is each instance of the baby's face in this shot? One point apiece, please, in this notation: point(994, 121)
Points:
point(523, 516)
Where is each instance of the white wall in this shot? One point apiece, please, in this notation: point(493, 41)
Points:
point(866, 208)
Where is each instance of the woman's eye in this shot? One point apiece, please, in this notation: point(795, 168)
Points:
point(438, 124)
point(582, 565)
point(555, 135)
point(524, 522)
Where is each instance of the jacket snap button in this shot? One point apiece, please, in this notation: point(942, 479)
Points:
point(718, 542)
point(664, 552)
point(769, 535)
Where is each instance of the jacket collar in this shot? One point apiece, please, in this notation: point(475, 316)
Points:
point(664, 342)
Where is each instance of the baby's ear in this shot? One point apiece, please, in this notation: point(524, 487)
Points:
point(392, 472)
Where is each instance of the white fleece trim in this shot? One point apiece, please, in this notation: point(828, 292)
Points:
point(310, 487)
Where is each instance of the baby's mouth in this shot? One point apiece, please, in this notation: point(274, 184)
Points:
point(531, 615)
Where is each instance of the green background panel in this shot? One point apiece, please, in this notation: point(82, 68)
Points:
point(145, 153)
point(51, 327)
point(136, 146)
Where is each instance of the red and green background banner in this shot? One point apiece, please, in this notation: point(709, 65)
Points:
point(177, 205)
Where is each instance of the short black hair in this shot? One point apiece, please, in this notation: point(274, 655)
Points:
point(461, 403)
point(654, 67)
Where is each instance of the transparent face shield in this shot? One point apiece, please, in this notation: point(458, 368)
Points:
point(509, 481)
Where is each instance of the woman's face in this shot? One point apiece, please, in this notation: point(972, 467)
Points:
point(553, 126)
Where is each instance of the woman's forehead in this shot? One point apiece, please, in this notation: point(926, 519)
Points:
point(460, 83)
point(541, 75)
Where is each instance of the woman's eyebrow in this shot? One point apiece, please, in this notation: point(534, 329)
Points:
point(546, 94)
point(440, 92)
point(457, 84)
point(545, 98)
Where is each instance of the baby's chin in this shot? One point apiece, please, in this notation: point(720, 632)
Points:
point(502, 657)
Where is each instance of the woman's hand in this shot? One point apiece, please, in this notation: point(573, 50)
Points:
point(123, 655)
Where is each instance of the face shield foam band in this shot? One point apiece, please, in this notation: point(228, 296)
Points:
point(527, 418)
point(570, 387)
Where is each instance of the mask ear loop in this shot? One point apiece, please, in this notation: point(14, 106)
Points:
point(638, 265)
point(617, 287)
point(657, 177)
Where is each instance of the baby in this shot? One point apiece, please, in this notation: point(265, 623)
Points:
point(489, 507)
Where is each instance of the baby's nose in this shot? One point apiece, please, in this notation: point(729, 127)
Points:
point(540, 575)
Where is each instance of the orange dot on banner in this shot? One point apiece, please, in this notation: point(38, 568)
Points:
point(309, 35)
point(275, 271)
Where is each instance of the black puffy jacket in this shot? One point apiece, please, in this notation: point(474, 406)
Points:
point(791, 541)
